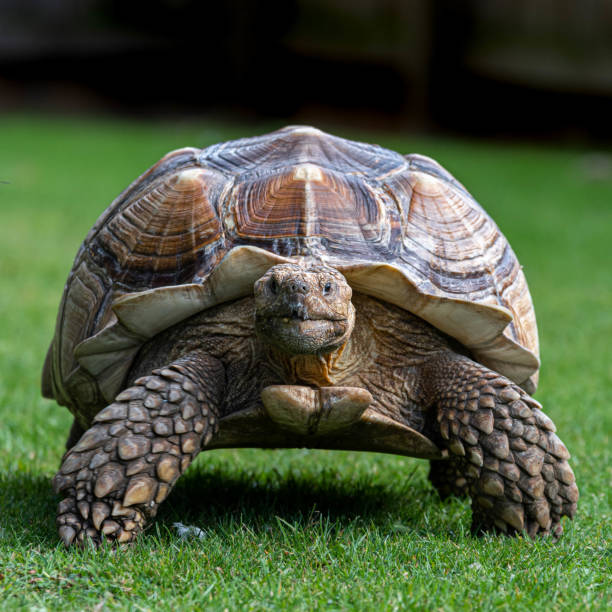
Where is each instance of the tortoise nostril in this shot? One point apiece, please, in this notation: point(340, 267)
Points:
point(297, 287)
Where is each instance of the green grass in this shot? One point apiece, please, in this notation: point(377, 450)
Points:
point(303, 529)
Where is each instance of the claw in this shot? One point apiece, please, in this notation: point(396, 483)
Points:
point(67, 534)
point(100, 511)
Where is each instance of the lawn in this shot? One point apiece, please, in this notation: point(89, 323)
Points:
point(303, 529)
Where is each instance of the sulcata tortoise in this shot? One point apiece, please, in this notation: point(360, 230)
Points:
point(299, 290)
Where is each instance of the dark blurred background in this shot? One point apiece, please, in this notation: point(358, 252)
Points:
point(525, 68)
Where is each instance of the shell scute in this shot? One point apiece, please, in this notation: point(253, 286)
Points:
point(308, 204)
point(455, 248)
point(165, 235)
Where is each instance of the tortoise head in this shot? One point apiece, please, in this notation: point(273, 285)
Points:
point(303, 310)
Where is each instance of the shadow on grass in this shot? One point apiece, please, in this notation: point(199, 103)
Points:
point(27, 509)
point(218, 498)
point(213, 499)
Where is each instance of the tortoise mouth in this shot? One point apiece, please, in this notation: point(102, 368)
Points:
point(302, 314)
point(310, 325)
point(298, 335)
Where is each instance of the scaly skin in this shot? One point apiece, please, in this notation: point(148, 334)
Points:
point(448, 479)
point(125, 465)
point(503, 448)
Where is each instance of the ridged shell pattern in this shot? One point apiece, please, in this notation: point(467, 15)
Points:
point(298, 193)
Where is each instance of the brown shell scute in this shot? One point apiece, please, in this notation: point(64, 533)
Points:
point(283, 209)
point(298, 145)
point(167, 236)
point(162, 230)
point(461, 251)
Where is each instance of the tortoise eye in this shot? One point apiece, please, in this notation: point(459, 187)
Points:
point(327, 288)
point(273, 286)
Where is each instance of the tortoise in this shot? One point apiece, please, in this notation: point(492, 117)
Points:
point(298, 289)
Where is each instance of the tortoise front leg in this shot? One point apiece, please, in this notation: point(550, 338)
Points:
point(503, 449)
point(125, 465)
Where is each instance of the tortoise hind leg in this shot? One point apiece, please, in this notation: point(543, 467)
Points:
point(447, 478)
point(498, 438)
point(125, 465)
point(76, 431)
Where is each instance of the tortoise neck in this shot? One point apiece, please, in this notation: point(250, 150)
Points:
point(321, 370)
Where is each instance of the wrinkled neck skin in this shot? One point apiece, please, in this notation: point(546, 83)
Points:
point(321, 369)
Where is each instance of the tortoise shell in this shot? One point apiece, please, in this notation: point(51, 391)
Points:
point(201, 226)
